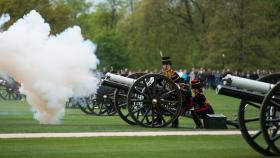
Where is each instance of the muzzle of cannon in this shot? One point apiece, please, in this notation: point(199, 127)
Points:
point(259, 110)
point(247, 84)
point(243, 88)
point(118, 81)
point(150, 100)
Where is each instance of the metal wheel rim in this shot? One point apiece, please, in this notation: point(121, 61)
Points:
point(270, 123)
point(120, 102)
point(250, 139)
point(141, 106)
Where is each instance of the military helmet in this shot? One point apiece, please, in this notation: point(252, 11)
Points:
point(166, 60)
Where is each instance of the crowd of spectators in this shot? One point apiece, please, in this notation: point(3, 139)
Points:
point(211, 78)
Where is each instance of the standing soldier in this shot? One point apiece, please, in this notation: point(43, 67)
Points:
point(185, 90)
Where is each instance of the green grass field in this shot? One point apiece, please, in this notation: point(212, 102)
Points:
point(16, 117)
point(129, 147)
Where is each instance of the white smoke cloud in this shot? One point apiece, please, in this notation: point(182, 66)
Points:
point(50, 68)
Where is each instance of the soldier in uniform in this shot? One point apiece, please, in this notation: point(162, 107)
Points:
point(201, 106)
point(185, 90)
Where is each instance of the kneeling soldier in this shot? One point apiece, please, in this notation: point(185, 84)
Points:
point(201, 106)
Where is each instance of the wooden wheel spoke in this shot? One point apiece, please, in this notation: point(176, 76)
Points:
point(251, 120)
point(275, 138)
point(153, 117)
point(256, 135)
point(160, 114)
point(168, 110)
point(122, 95)
point(126, 116)
point(139, 92)
point(275, 104)
point(148, 89)
point(145, 115)
point(268, 148)
point(167, 93)
point(272, 120)
point(168, 101)
point(139, 109)
point(138, 114)
point(123, 105)
point(137, 100)
point(254, 105)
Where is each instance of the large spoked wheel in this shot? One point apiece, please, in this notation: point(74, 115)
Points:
point(249, 120)
point(102, 105)
point(71, 103)
point(270, 118)
point(83, 104)
point(9, 91)
point(120, 102)
point(154, 101)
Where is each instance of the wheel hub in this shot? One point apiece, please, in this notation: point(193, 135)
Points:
point(154, 101)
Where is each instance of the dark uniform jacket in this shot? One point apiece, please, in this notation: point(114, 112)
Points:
point(183, 87)
point(200, 103)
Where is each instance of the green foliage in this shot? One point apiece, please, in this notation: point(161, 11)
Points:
point(245, 34)
point(146, 33)
point(99, 26)
point(194, 33)
point(56, 13)
point(111, 50)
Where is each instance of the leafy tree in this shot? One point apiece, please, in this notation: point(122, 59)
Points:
point(99, 26)
point(146, 33)
point(243, 32)
point(56, 13)
point(111, 50)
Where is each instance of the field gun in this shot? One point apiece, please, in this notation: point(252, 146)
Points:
point(149, 100)
point(259, 110)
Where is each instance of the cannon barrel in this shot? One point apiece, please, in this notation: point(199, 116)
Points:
point(247, 84)
point(243, 88)
point(240, 94)
point(117, 81)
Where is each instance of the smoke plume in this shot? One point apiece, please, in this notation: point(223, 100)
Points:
point(51, 68)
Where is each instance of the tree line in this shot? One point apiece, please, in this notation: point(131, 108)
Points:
point(237, 34)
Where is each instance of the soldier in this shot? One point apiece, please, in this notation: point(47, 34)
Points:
point(201, 106)
point(185, 90)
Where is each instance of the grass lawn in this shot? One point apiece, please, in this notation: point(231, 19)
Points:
point(16, 117)
point(129, 147)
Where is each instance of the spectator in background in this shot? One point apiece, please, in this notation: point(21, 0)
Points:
point(186, 77)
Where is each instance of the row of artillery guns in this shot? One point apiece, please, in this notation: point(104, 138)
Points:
point(153, 100)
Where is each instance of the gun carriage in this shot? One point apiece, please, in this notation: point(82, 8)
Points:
point(100, 104)
point(259, 110)
point(150, 100)
point(9, 89)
